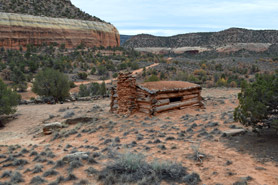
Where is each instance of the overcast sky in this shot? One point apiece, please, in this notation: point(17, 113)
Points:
point(171, 17)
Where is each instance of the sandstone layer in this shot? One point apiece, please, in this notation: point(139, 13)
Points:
point(20, 30)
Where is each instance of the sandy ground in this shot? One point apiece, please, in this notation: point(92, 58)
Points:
point(225, 161)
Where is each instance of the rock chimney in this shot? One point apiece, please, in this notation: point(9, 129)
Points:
point(126, 90)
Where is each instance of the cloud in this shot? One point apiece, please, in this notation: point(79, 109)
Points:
point(181, 16)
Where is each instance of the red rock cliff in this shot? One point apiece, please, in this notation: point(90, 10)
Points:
point(20, 30)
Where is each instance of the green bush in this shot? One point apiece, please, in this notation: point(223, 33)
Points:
point(50, 82)
point(93, 70)
point(92, 89)
point(258, 102)
point(115, 75)
point(152, 78)
point(72, 84)
point(83, 91)
point(82, 75)
point(8, 100)
point(134, 65)
point(102, 70)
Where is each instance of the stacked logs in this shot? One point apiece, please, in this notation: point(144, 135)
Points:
point(190, 97)
point(126, 94)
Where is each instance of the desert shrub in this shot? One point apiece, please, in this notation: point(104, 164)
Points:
point(82, 75)
point(51, 83)
point(102, 70)
point(8, 100)
point(83, 91)
point(37, 180)
point(133, 168)
point(122, 66)
point(71, 84)
point(16, 178)
point(103, 89)
point(115, 75)
point(219, 67)
point(152, 78)
point(92, 89)
point(258, 102)
point(182, 76)
point(17, 76)
point(134, 65)
point(222, 82)
point(93, 70)
point(162, 76)
point(192, 78)
point(233, 84)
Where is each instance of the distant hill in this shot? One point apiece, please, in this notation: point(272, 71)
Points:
point(48, 8)
point(124, 38)
point(205, 39)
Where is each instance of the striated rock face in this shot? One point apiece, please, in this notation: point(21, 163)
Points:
point(20, 30)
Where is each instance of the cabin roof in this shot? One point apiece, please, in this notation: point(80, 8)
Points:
point(164, 86)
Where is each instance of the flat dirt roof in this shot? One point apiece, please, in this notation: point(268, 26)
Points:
point(167, 85)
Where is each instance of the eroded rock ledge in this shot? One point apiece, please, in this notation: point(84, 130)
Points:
point(20, 30)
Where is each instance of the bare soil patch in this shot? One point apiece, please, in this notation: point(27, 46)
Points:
point(190, 137)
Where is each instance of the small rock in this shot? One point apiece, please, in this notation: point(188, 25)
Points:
point(50, 127)
point(233, 132)
point(69, 114)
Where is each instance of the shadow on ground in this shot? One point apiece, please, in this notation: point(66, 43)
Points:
point(264, 147)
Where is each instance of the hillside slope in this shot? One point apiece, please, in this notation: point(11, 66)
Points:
point(206, 39)
point(48, 8)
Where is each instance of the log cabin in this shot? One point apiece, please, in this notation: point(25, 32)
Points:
point(152, 97)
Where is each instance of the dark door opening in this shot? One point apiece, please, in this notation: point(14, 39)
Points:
point(175, 99)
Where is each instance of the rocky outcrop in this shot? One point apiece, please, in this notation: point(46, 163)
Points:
point(20, 30)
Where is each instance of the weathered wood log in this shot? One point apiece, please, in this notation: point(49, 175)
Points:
point(144, 105)
point(147, 111)
point(175, 105)
point(194, 105)
point(162, 102)
point(178, 94)
point(192, 99)
point(187, 97)
point(144, 100)
point(198, 88)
